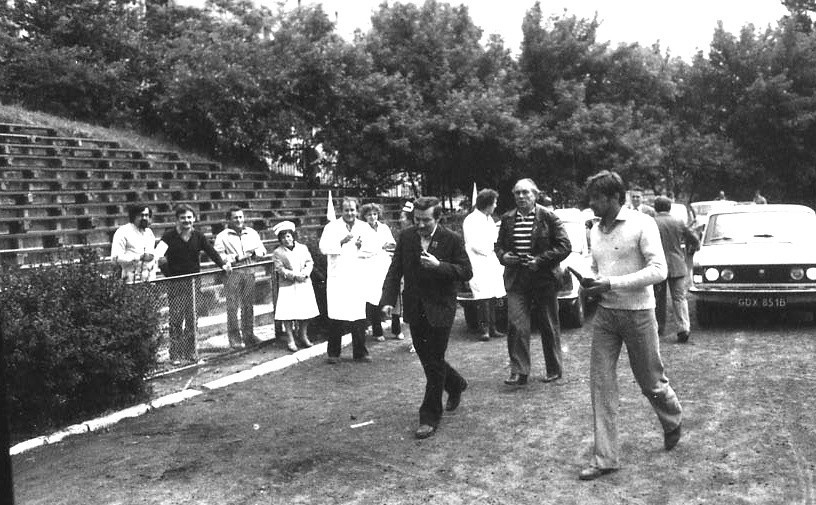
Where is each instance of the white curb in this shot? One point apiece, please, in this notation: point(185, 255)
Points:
point(174, 398)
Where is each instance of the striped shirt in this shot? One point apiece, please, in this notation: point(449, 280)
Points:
point(523, 233)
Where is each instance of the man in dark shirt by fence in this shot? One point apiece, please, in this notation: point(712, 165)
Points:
point(178, 253)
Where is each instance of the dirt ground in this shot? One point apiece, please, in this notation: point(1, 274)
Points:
point(288, 437)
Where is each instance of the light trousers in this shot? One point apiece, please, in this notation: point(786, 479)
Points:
point(677, 287)
point(638, 330)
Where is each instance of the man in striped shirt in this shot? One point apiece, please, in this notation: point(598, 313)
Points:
point(532, 243)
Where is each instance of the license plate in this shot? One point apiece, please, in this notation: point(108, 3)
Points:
point(768, 302)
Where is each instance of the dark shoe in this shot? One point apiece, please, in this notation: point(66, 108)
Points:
point(364, 359)
point(305, 342)
point(497, 334)
point(592, 472)
point(551, 377)
point(671, 438)
point(682, 337)
point(455, 398)
point(333, 360)
point(425, 431)
point(516, 379)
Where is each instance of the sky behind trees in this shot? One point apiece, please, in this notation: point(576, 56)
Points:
point(681, 26)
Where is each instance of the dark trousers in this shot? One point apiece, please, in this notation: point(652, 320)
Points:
point(374, 317)
point(240, 292)
point(431, 343)
point(520, 306)
point(336, 332)
point(181, 295)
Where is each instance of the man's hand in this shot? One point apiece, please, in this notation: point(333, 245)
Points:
point(347, 238)
point(387, 309)
point(531, 262)
point(595, 286)
point(511, 258)
point(428, 260)
point(146, 258)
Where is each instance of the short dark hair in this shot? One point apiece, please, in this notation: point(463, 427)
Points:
point(428, 202)
point(284, 232)
point(486, 198)
point(607, 183)
point(183, 208)
point(369, 208)
point(662, 204)
point(233, 209)
point(135, 210)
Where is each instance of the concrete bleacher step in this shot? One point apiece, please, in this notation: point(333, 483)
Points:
point(24, 129)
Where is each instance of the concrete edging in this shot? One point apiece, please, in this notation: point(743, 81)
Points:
point(98, 423)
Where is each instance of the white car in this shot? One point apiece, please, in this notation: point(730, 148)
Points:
point(757, 258)
point(701, 211)
point(571, 300)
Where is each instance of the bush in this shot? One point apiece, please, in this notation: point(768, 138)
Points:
point(77, 341)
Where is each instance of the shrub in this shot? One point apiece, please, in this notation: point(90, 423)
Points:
point(77, 341)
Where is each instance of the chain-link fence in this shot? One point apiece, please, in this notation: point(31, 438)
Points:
point(215, 312)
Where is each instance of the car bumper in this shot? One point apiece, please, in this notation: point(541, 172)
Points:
point(758, 297)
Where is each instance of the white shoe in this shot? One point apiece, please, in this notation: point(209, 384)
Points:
point(381, 338)
point(399, 336)
point(411, 349)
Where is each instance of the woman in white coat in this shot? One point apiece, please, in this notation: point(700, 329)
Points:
point(480, 233)
point(382, 245)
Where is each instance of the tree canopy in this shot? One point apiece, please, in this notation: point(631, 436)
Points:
point(424, 95)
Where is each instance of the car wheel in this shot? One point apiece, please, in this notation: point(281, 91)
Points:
point(705, 314)
point(574, 315)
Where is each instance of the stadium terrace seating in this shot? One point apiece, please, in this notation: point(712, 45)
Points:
point(60, 191)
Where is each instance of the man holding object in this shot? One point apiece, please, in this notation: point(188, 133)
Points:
point(433, 261)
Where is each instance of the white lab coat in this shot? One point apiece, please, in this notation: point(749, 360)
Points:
point(480, 233)
point(376, 265)
point(345, 289)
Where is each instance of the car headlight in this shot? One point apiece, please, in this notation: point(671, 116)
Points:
point(712, 274)
point(811, 273)
point(797, 273)
point(727, 274)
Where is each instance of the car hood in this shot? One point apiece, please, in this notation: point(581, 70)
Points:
point(756, 254)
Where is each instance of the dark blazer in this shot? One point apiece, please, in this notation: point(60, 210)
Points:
point(432, 290)
point(550, 246)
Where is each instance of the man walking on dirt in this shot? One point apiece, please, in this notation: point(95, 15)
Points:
point(433, 261)
point(627, 258)
point(532, 242)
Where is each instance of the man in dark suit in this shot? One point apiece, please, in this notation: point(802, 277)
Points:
point(433, 261)
point(532, 243)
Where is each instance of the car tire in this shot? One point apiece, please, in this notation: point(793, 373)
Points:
point(574, 315)
point(705, 314)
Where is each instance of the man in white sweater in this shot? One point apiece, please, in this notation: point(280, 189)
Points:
point(627, 259)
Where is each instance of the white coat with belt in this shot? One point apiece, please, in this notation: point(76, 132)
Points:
point(480, 233)
point(345, 293)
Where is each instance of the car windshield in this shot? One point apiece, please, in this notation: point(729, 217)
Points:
point(760, 227)
point(577, 236)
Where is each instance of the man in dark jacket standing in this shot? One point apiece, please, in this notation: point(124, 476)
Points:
point(433, 261)
point(532, 243)
point(673, 234)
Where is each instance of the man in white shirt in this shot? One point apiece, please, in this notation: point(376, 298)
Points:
point(239, 245)
point(636, 198)
point(627, 259)
point(133, 246)
point(343, 242)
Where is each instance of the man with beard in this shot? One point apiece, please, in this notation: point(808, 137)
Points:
point(134, 244)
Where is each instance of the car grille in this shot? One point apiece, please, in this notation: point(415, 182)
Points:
point(755, 274)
